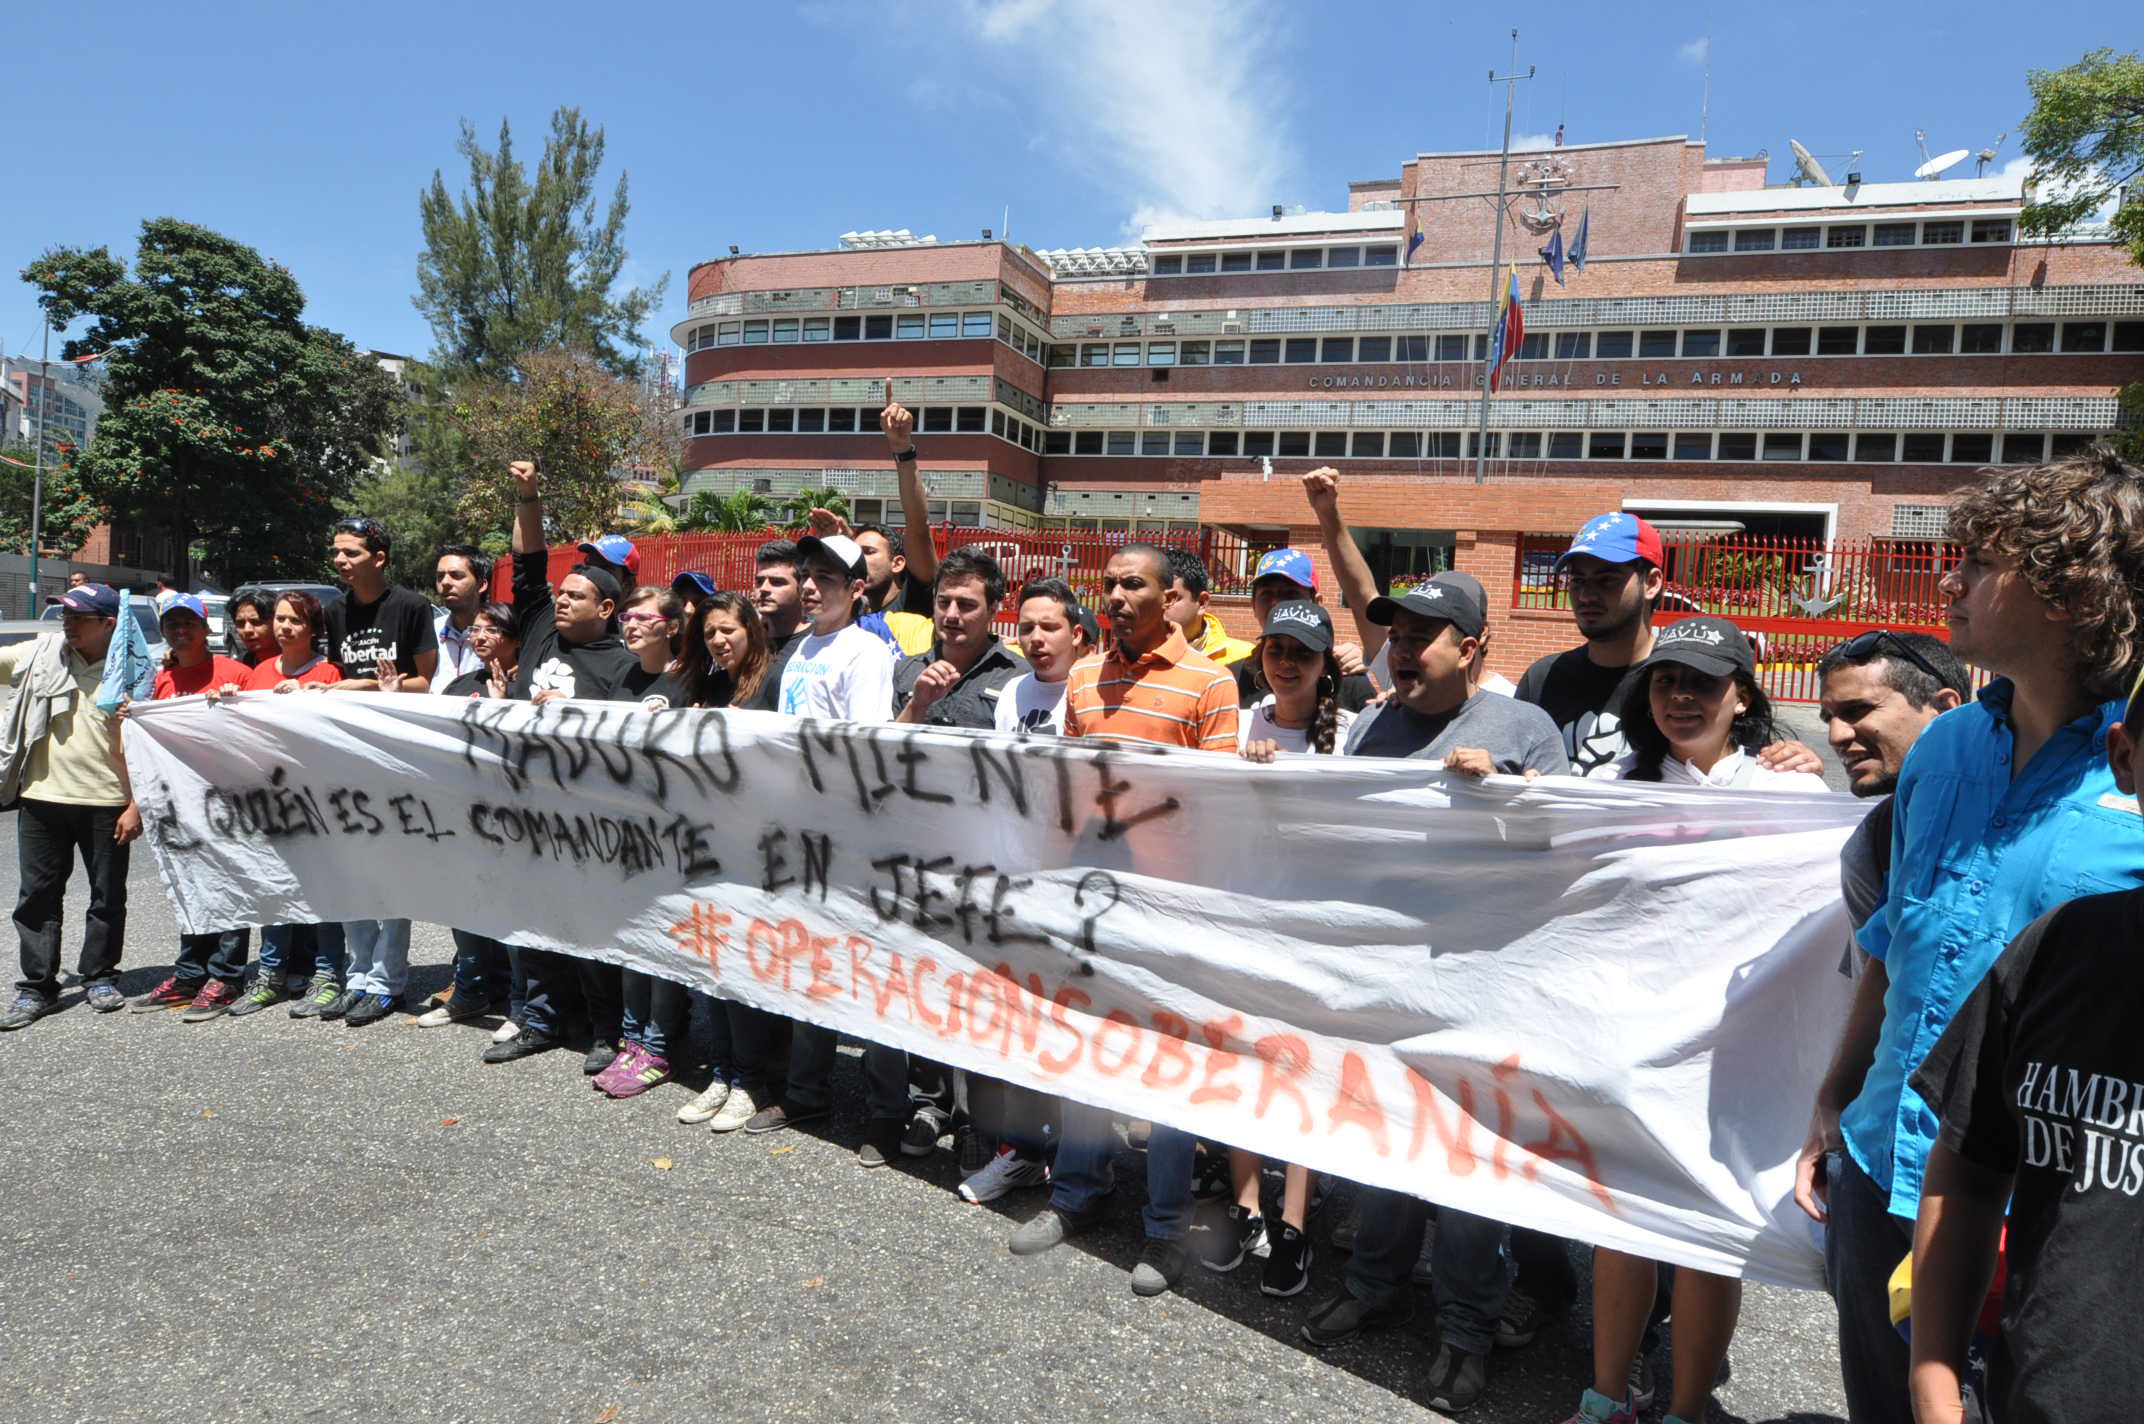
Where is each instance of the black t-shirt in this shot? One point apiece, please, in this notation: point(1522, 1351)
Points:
point(397, 626)
point(593, 670)
point(910, 594)
point(767, 697)
point(469, 684)
point(2041, 1075)
point(1356, 690)
point(1575, 691)
point(652, 690)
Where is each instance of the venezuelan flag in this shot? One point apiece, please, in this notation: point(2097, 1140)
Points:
point(1510, 328)
point(1415, 239)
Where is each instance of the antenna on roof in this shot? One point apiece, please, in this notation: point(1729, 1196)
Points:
point(1986, 156)
point(1806, 168)
point(1932, 168)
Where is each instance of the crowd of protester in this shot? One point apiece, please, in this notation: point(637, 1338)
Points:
point(1983, 1117)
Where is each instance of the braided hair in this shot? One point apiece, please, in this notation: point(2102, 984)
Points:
point(1325, 718)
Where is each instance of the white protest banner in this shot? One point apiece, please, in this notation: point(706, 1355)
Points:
point(1596, 1009)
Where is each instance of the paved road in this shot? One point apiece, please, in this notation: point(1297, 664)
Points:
point(265, 1219)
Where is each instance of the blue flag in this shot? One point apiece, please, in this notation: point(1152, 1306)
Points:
point(1554, 253)
point(1416, 239)
point(129, 671)
point(1578, 243)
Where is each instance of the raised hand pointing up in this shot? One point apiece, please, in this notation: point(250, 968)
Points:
point(899, 423)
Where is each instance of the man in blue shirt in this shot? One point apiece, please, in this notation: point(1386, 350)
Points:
point(2005, 808)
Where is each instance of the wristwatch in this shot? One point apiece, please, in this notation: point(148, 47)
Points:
point(902, 457)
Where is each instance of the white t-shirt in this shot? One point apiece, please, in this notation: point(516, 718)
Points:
point(1028, 704)
point(1737, 770)
point(1256, 724)
point(846, 676)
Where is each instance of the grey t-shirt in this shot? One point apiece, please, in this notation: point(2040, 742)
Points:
point(1518, 736)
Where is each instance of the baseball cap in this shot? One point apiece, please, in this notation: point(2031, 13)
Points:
point(693, 584)
point(615, 549)
point(1711, 645)
point(839, 547)
point(1291, 564)
point(1302, 620)
point(180, 603)
point(1615, 538)
point(98, 598)
point(1447, 599)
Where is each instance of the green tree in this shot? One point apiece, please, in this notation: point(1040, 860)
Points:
point(519, 263)
point(418, 507)
point(69, 513)
point(227, 420)
point(579, 421)
point(798, 507)
point(742, 512)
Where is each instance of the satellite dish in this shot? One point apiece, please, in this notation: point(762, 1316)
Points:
point(1934, 167)
point(1806, 168)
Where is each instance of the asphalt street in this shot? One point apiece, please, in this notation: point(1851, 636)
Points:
point(267, 1219)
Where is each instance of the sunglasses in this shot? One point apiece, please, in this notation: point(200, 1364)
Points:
point(367, 527)
point(1863, 646)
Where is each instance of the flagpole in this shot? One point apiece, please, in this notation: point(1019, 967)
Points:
point(1496, 252)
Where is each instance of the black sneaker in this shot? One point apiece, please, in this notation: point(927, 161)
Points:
point(1456, 1379)
point(347, 1000)
point(27, 1009)
point(1288, 1267)
point(601, 1054)
point(884, 1139)
point(1242, 1233)
point(778, 1116)
point(1161, 1265)
point(919, 1135)
point(972, 1149)
point(1211, 1179)
point(522, 1045)
point(1344, 1317)
point(1522, 1319)
point(369, 1009)
point(1642, 1384)
point(322, 996)
point(105, 998)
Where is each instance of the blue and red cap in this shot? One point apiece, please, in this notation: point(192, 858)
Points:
point(98, 598)
point(172, 603)
point(1616, 538)
point(616, 550)
point(1291, 564)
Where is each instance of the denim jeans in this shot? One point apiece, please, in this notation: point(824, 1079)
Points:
point(484, 971)
point(653, 1012)
point(740, 1039)
point(1541, 1266)
point(288, 950)
point(48, 837)
point(219, 954)
point(558, 987)
point(1466, 1266)
point(1863, 1244)
point(811, 1069)
point(1085, 1171)
point(379, 956)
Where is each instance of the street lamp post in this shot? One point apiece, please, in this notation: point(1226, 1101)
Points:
point(37, 477)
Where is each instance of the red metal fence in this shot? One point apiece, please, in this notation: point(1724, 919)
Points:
point(1797, 597)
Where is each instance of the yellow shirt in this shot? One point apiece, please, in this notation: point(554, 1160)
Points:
point(72, 762)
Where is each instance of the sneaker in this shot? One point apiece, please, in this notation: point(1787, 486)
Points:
point(1347, 1228)
point(454, 1011)
point(972, 1150)
point(601, 1054)
point(26, 1010)
point(369, 1009)
point(884, 1139)
point(779, 1116)
point(105, 998)
point(522, 1045)
point(1343, 1317)
point(1211, 1179)
point(1597, 1408)
point(706, 1105)
point(919, 1137)
point(344, 1001)
point(1243, 1232)
point(1456, 1379)
point(265, 991)
point(737, 1110)
point(1048, 1227)
point(324, 995)
point(1523, 1318)
point(1288, 1266)
point(1161, 1265)
point(1641, 1383)
point(649, 1070)
point(213, 1001)
point(505, 1031)
point(1006, 1172)
point(171, 994)
point(619, 1068)
point(1419, 1273)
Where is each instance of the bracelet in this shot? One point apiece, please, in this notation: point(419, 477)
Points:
point(902, 457)
point(528, 499)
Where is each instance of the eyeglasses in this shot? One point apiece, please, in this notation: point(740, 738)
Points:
point(1863, 646)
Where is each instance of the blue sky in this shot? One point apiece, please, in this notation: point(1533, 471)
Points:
point(308, 130)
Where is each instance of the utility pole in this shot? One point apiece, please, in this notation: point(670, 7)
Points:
point(1496, 251)
point(37, 478)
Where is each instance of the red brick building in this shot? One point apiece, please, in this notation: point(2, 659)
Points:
point(1816, 361)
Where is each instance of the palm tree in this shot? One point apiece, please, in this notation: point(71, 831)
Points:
point(798, 507)
point(740, 512)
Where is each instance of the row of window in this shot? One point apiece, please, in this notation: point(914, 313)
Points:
point(1934, 232)
point(888, 326)
point(1290, 259)
point(1698, 343)
point(863, 420)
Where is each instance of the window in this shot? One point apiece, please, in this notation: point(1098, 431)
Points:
point(1189, 442)
point(1064, 354)
point(1573, 345)
point(1305, 258)
point(1336, 348)
point(1154, 442)
point(1272, 261)
point(1198, 353)
point(1533, 346)
point(1087, 442)
point(848, 328)
point(1700, 343)
point(1228, 353)
point(818, 328)
point(1328, 444)
point(1745, 341)
point(1057, 442)
point(1474, 446)
point(1782, 447)
point(1991, 230)
point(1693, 447)
point(1451, 348)
point(1605, 445)
point(1708, 242)
point(1170, 266)
point(699, 423)
point(2084, 336)
point(1798, 238)
point(1649, 445)
point(751, 422)
point(1405, 445)
point(1899, 234)
point(842, 419)
point(975, 323)
point(2024, 449)
point(1221, 442)
point(1235, 262)
point(1301, 350)
point(1884, 341)
point(1565, 444)
point(1942, 234)
point(1790, 340)
point(1883, 448)
point(812, 421)
point(1094, 354)
point(1829, 447)
point(935, 418)
point(878, 328)
point(910, 326)
point(2032, 336)
point(1525, 444)
point(1293, 444)
point(1376, 349)
point(1855, 236)
point(1121, 442)
point(785, 331)
point(1612, 345)
point(1257, 443)
point(972, 418)
point(1265, 351)
point(2129, 336)
point(1199, 263)
point(1967, 448)
point(1125, 353)
point(1738, 445)
point(1933, 340)
point(1656, 343)
point(1980, 337)
point(1343, 257)
point(1441, 445)
point(755, 333)
point(943, 324)
point(1838, 340)
point(1921, 448)
point(1380, 257)
point(729, 333)
point(1161, 353)
point(1755, 239)
point(725, 422)
point(1410, 349)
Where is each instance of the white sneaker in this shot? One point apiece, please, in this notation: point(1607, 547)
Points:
point(503, 1032)
point(737, 1110)
point(1003, 1173)
point(436, 1018)
point(706, 1105)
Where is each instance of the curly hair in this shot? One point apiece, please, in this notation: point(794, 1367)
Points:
point(2076, 529)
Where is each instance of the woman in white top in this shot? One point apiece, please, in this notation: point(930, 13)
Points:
point(1055, 632)
point(1694, 716)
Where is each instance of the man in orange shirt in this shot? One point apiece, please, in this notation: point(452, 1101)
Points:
point(1150, 687)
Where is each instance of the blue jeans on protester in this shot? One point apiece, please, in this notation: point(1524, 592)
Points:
point(560, 986)
point(740, 1040)
point(811, 1069)
point(1466, 1266)
point(486, 971)
point(379, 956)
point(219, 954)
point(1084, 1171)
point(287, 949)
point(653, 1015)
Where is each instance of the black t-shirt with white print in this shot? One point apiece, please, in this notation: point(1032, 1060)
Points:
point(1575, 691)
point(593, 670)
point(2041, 1075)
point(397, 625)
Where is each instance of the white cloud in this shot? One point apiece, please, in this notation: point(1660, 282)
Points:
point(1531, 142)
point(2019, 169)
point(1697, 51)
